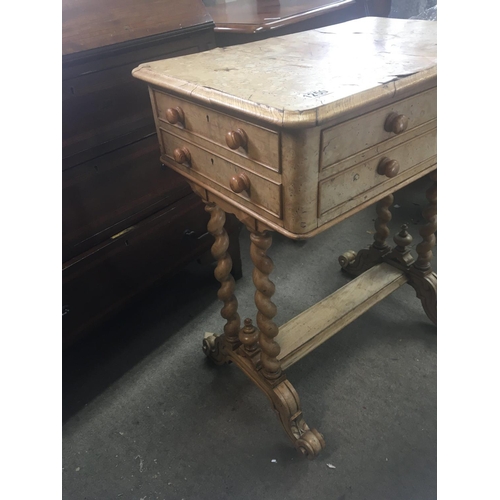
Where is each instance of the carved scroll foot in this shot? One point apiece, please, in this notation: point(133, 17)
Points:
point(426, 288)
point(308, 442)
point(356, 263)
point(284, 400)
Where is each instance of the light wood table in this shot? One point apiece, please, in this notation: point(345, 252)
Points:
point(294, 134)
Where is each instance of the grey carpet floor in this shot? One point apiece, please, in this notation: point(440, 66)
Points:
point(146, 416)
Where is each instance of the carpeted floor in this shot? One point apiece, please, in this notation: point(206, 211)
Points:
point(146, 416)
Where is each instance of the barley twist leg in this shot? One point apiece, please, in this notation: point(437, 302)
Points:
point(356, 263)
point(213, 346)
point(421, 277)
point(427, 232)
point(270, 378)
point(270, 349)
point(384, 216)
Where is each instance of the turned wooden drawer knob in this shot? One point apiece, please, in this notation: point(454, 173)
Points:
point(237, 139)
point(396, 123)
point(240, 183)
point(182, 155)
point(388, 167)
point(175, 115)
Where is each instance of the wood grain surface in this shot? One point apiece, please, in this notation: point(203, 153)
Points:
point(252, 16)
point(90, 24)
point(307, 78)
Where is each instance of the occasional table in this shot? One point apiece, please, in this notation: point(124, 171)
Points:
point(295, 134)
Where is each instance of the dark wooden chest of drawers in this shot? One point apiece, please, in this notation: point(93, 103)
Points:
point(127, 221)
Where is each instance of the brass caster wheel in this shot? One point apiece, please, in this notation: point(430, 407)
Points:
point(213, 349)
point(310, 444)
point(209, 345)
point(347, 258)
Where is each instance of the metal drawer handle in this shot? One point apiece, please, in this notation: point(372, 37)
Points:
point(396, 123)
point(237, 139)
point(175, 115)
point(240, 183)
point(388, 167)
point(182, 155)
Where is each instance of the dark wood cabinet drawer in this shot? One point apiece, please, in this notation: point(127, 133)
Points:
point(104, 107)
point(122, 213)
point(103, 196)
point(98, 108)
point(100, 281)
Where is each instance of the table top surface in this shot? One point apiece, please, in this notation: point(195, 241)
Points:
point(92, 24)
point(253, 16)
point(306, 78)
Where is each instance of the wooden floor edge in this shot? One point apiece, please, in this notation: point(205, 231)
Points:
point(334, 323)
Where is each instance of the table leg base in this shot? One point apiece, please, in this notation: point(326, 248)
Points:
point(283, 397)
point(418, 273)
point(356, 263)
point(424, 284)
point(426, 288)
point(213, 349)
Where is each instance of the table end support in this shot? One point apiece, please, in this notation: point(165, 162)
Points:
point(356, 263)
point(285, 402)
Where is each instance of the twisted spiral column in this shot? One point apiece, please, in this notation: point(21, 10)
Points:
point(270, 349)
point(223, 272)
point(427, 232)
point(383, 217)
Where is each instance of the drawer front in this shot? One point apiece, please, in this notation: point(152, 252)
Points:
point(108, 276)
point(262, 145)
point(101, 107)
point(102, 103)
point(212, 168)
point(114, 191)
point(352, 137)
point(359, 183)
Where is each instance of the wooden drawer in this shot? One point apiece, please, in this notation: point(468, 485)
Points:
point(102, 280)
point(263, 145)
point(217, 172)
point(358, 184)
point(97, 108)
point(103, 108)
point(354, 136)
point(114, 191)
